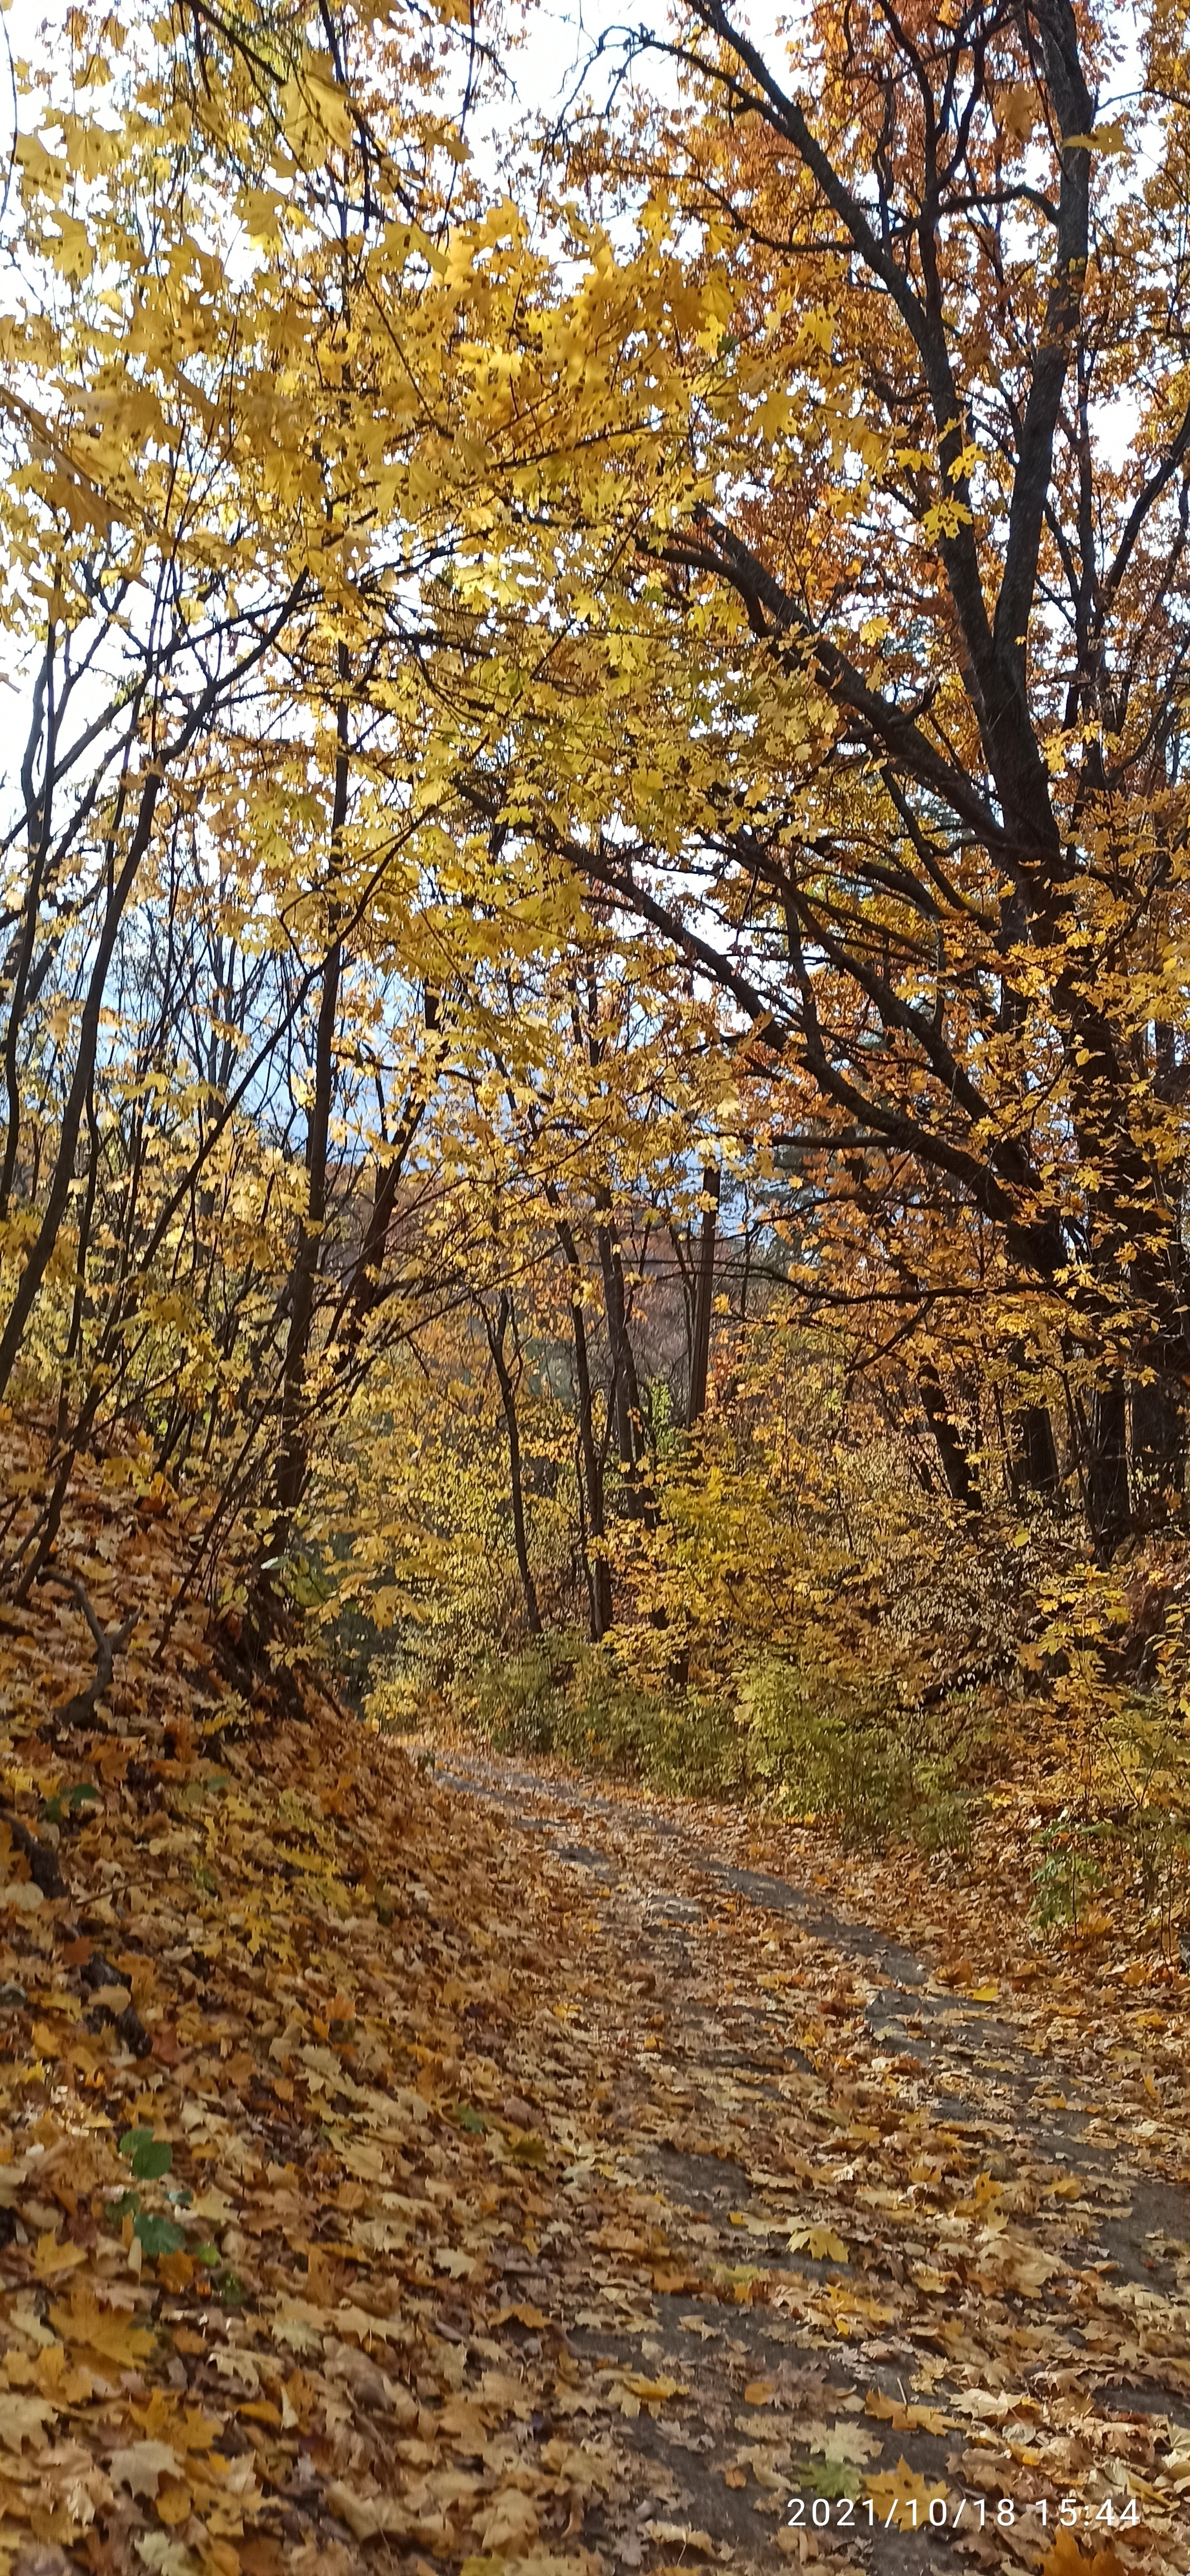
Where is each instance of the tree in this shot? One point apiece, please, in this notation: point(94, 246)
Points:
point(911, 614)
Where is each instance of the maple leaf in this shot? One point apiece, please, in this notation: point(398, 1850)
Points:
point(507, 2527)
point(901, 2496)
point(839, 2441)
point(185, 2427)
point(1067, 2559)
point(821, 2243)
point(23, 2419)
point(914, 2419)
point(140, 2466)
point(106, 2331)
point(51, 2258)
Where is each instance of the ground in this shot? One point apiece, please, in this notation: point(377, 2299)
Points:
point(429, 2161)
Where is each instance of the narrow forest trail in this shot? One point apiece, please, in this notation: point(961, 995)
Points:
point(987, 2293)
point(437, 2165)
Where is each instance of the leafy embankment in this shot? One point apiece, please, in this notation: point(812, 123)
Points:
point(380, 2180)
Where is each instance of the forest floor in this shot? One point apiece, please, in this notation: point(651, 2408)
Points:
point(449, 2165)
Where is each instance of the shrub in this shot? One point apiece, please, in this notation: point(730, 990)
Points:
point(796, 1742)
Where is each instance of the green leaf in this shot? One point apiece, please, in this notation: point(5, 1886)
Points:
point(127, 2206)
point(82, 1792)
point(825, 2478)
point(208, 2255)
point(158, 2235)
point(150, 2157)
point(472, 2121)
point(229, 2289)
point(530, 2150)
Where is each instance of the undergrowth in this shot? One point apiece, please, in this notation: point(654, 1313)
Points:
point(874, 1770)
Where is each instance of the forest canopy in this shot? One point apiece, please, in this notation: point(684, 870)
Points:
point(594, 866)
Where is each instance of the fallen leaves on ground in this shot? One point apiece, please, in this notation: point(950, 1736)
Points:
point(355, 2202)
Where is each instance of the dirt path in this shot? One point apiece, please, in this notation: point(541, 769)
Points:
point(930, 2274)
point(464, 2172)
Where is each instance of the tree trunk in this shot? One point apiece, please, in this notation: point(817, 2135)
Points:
point(1032, 1449)
point(74, 1335)
point(37, 823)
point(1034, 1452)
point(601, 1581)
point(362, 1292)
point(955, 1463)
point(704, 1294)
point(496, 1333)
point(1108, 1509)
point(625, 1384)
point(293, 1444)
point(1158, 1442)
point(58, 1198)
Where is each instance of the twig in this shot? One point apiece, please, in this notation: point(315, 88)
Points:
point(42, 1858)
point(80, 1710)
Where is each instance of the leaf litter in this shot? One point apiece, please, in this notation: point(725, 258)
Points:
point(386, 2178)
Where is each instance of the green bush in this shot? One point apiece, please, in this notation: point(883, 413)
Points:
point(873, 1768)
point(790, 1740)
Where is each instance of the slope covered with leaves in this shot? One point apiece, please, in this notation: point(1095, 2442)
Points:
point(387, 2176)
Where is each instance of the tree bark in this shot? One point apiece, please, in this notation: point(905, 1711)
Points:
point(955, 1463)
point(37, 819)
point(704, 1295)
point(626, 1402)
point(1035, 1454)
point(58, 1198)
point(1108, 1509)
point(74, 1336)
point(362, 1293)
point(294, 1446)
point(1158, 1442)
point(496, 1335)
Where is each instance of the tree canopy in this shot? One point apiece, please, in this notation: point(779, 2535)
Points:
point(594, 894)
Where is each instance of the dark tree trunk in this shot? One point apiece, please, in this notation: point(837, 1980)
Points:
point(592, 1514)
point(1033, 1454)
point(58, 1196)
point(293, 1444)
point(704, 1296)
point(74, 1335)
point(363, 1290)
point(1158, 1443)
point(626, 1404)
point(600, 1572)
point(955, 1463)
point(1036, 1452)
point(496, 1336)
point(1108, 1510)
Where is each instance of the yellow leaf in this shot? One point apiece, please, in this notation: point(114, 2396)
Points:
point(50, 2258)
point(103, 2330)
point(173, 2502)
point(901, 2497)
point(904, 2419)
point(1067, 2559)
point(820, 2243)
